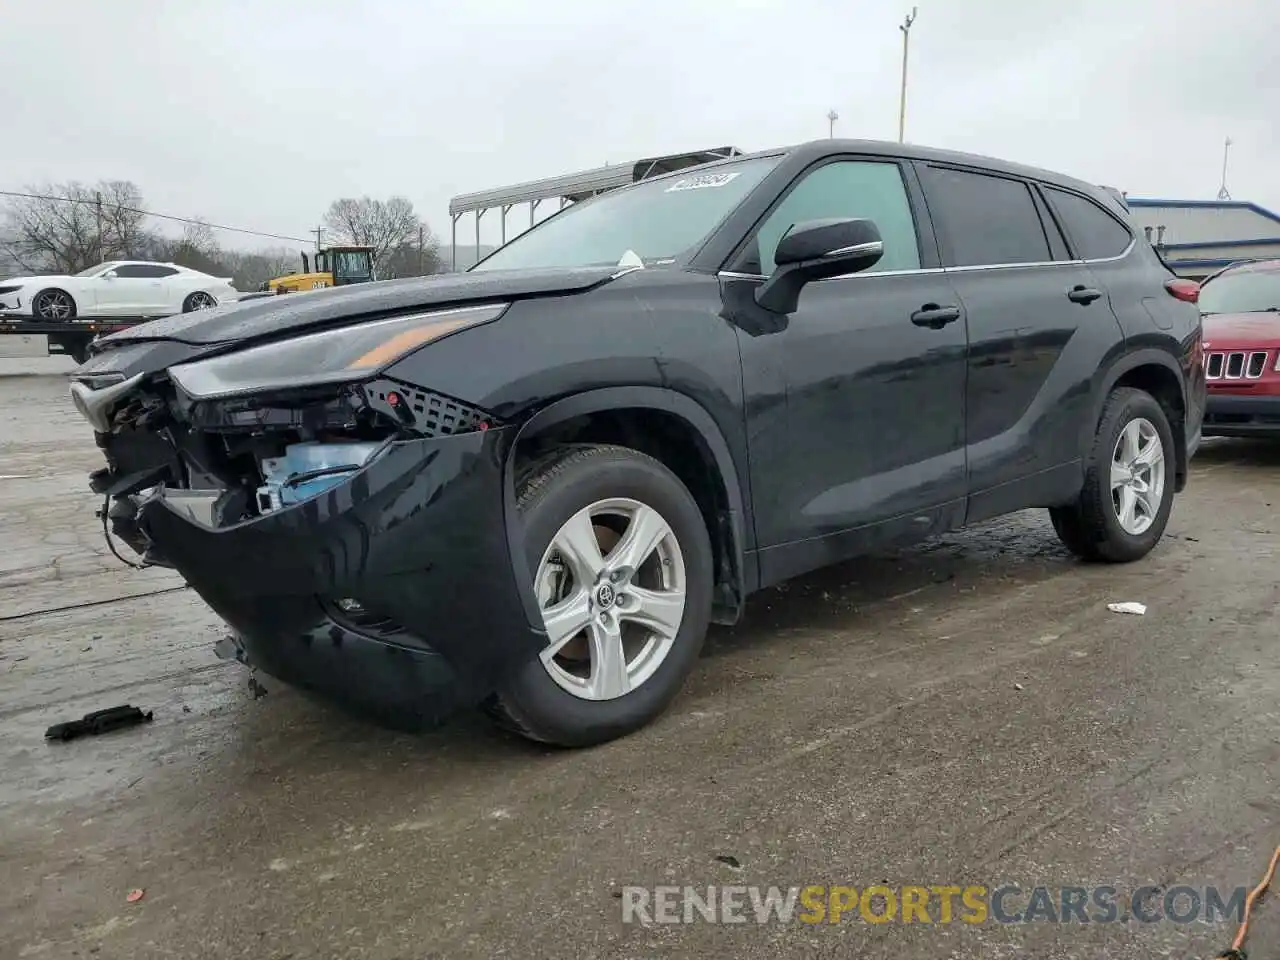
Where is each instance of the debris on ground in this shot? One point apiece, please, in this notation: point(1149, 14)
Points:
point(100, 721)
point(1128, 606)
point(729, 860)
point(136, 895)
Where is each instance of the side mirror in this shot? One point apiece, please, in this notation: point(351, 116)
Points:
point(818, 250)
point(109, 275)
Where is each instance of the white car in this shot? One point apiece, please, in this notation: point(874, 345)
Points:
point(119, 288)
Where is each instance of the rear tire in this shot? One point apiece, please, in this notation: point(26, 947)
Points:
point(198, 301)
point(1127, 496)
point(53, 306)
point(609, 494)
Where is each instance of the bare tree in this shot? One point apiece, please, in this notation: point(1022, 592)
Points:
point(198, 235)
point(385, 225)
point(197, 249)
point(412, 260)
point(63, 228)
point(123, 232)
point(249, 271)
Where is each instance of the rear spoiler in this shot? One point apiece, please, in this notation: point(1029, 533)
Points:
point(1123, 201)
point(1117, 196)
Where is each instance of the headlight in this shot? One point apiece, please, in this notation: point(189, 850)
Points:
point(355, 352)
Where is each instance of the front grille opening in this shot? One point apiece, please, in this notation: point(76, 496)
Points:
point(1257, 363)
point(1235, 365)
point(1214, 368)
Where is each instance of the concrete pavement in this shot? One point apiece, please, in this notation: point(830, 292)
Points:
point(966, 712)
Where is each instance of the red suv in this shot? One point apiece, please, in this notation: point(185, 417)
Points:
point(1241, 307)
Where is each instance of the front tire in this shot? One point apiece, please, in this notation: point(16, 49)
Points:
point(1127, 496)
point(53, 306)
point(623, 572)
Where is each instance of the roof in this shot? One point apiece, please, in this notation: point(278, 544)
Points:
point(577, 186)
point(912, 152)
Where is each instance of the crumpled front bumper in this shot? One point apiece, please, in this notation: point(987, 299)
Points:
point(421, 535)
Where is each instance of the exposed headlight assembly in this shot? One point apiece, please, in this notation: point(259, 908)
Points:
point(355, 352)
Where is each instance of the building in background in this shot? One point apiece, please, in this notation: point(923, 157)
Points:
point(1199, 237)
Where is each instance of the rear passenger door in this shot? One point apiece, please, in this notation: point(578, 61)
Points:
point(1038, 327)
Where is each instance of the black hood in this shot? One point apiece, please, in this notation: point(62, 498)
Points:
point(285, 313)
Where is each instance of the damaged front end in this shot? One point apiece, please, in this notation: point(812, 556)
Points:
point(348, 525)
point(221, 462)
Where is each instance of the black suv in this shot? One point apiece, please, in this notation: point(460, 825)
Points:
point(533, 485)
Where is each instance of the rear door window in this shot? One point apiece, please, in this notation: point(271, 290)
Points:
point(985, 220)
point(1094, 233)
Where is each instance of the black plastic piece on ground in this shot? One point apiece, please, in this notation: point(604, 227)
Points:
point(100, 721)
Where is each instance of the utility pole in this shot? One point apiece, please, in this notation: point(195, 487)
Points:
point(905, 27)
point(422, 261)
point(1222, 191)
point(317, 231)
point(832, 117)
point(97, 202)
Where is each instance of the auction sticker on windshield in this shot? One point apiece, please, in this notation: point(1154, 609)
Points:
point(702, 181)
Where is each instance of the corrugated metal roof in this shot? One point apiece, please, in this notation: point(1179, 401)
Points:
point(578, 186)
point(1204, 205)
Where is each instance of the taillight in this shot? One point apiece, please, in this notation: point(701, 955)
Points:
point(1188, 291)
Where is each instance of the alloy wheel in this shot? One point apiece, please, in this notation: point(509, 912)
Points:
point(202, 301)
point(54, 305)
point(1137, 476)
point(611, 586)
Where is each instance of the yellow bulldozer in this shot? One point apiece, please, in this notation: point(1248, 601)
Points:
point(334, 267)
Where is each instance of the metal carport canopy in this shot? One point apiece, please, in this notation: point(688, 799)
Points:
point(571, 187)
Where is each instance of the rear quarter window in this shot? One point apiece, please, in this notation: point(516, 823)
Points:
point(1093, 233)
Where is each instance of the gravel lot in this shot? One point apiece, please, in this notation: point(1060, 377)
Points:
point(964, 712)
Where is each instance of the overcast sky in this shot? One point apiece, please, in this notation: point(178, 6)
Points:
point(258, 114)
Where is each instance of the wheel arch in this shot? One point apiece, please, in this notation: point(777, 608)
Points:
point(656, 421)
point(1158, 373)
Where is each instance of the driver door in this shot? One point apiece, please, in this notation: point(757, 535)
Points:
point(123, 290)
point(856, 401)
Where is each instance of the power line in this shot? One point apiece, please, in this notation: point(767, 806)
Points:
point(147, 213)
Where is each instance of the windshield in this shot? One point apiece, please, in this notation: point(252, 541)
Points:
point(653, 220)
point(1245, 291)
point(350, 264)
point(98, 269)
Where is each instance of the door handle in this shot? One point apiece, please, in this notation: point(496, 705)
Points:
point(935, 317)
point(1083, 295)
